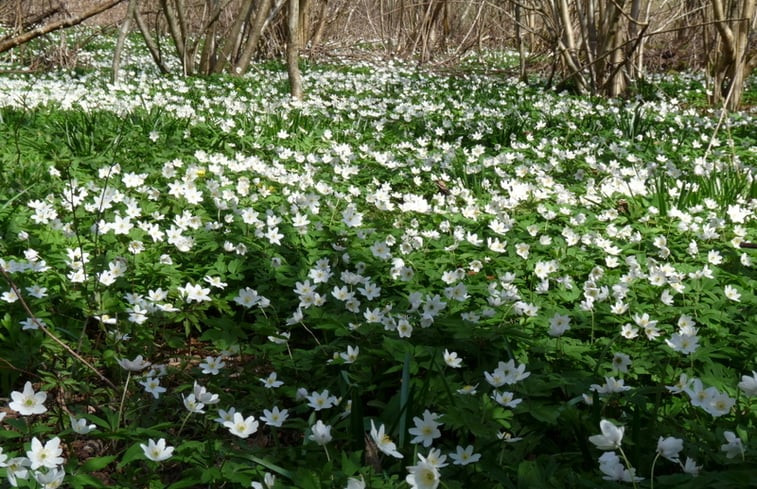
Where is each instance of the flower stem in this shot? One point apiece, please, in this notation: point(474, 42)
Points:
point(651, 477)
point(629, 467)
point(186, 418)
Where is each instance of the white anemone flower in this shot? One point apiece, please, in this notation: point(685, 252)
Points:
point(157, 452)
point(383, 441)
point(28, 402)
point(610, 438)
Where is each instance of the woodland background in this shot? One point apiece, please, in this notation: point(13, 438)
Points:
point(588, 46)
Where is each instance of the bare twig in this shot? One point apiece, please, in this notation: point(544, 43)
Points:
point(49, 333)
point(27, 36)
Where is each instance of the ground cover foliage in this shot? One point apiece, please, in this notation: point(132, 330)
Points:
point(406, 280)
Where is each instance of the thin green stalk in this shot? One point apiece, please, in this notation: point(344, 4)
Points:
point(629, 467)
point(651, 477)
point(326, 449)
point(447, 388)
point(404, 398)
point(183, 423)
point(123, 399)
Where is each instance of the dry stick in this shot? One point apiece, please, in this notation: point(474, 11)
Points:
point(10, 43)
point(44, 329)
point(723, 113)
point(13, 367)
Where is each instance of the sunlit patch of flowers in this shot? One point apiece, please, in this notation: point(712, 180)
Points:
point(403, 268)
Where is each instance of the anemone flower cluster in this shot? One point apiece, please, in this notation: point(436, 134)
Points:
point(387, 266)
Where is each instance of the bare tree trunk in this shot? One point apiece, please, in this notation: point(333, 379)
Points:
point(321, 26)
point(734, 61)
point(188, 54)
point(122, 33)
point(209, 34)
point(233, 42)
point(633, 30)
point(253, 38)
point(589, 39)
point(304, 23)
point(398, 17)
point(12, 42)
point(293, 50)
point(640, 72)
point(522, 74)
point(567, 45)
point(175, 31)
point(152, 46)
point(614, 82)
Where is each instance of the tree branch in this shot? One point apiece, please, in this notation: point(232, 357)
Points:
point(49, 333)
point(7, 44)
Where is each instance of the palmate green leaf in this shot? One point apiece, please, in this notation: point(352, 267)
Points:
point(224, 330)
point(543, 412)
point(235, 472)
point(210, 475)
point(351, 462)
point(531, 476)
point(717, 374)
point(735, 478)
point(468, 415)
point(307, 479)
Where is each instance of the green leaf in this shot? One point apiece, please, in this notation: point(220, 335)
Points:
point(546, 413)
point(306, 479)
point(77, 481)
point(133, 453)
point(530, 476)
point(211, 474)
point(9, 435)
point(351, 463)
point(97, 463)
point(269, 465)
point(357, 422)
point(183, 483)
point(404, 398)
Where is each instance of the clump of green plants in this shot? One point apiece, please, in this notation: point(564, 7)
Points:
point(406, 280)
